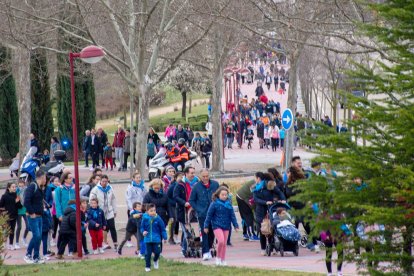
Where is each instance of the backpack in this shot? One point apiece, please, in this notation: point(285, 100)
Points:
point(266, 227)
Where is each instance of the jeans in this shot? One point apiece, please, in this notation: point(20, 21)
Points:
point(35, 225)
point(152, 247)
point(208, 239)
point(19, 227)
point(183, 237)
point(45, 236)
point(119, 156)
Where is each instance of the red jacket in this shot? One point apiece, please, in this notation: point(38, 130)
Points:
point(264, 99)
point(119, 139)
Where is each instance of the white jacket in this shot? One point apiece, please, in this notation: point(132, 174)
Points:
point(209, 128)
point(134, 194)
point(106, 200)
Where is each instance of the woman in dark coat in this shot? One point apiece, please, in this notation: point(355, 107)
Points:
point(265, 194)
point(181, 196)
point(153, 135)
point(10, 203)
point(157, 196)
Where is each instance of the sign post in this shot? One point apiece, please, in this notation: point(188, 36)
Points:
point(287, 122)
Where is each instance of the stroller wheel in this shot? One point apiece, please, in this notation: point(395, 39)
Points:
point(304, 241)
point(269, 250)
point(296, 251)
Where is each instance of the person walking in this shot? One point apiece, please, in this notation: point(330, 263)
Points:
point(107, 151)
point(220, 216)
point(157, 197)
point(96, 225)
point(87, 147)
point(118, 146)
point(33, 202)
point(107, 202)
point(21, 215)
point(243, 196)
point(209, 129)
point(153, 230)
point(96, 148)
point(54, 146)
point(200, 200)
point(10, 204)
point(127, 147)
point(170, 133)
point(103, 140)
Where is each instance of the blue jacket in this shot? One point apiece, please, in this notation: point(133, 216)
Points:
point(33, 199)
point(46, 221)
point(261, 196)
point(221, 215)
point(200, 197)
point(155, 228)
point(62, 196)
point(48, 196)
point(95, 216)
point(170, 194)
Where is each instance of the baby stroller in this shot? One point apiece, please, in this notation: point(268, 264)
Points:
point(285, 235)
point(193, 242)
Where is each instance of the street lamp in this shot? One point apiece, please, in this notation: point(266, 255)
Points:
point(91, 54)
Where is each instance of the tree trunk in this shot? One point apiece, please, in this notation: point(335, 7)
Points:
point(125, 117)
point(143, 126)
point(310, 104)
point(136, 102)
point(22, 65)
point(218, 164)
point(292, 101)
point(131, 125)
point(190, 104)
point(184, 107)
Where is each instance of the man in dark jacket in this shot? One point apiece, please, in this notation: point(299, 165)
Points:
point(181, 133)
point(103, 139)
point(67, 232)
point(200, 200)
point(96, 147)
point(87, 146)
point(33, 202)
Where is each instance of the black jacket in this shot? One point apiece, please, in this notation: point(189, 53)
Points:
point(33, 199)
point(154, 137)
point(179, 197)
point(87, 144)
point(96, 147)
point(68, 225)
point(260, 199)
point(161, 202)
point(103, 139)
point(8, 203)
point(181, 134)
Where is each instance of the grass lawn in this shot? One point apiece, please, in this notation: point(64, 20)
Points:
point(195, 111)
point(132, 266)
point(173, 96)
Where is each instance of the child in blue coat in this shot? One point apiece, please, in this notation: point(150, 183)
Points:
point(153, 230)
point(46, 226)
point(220, 216)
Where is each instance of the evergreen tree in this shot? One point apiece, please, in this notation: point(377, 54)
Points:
point(89, 102)
point(42, 121)
point(9, 120)
point(375, 186)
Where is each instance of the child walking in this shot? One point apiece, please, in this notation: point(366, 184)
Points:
point(220, 216)
point(21, 216)
point(133, 224)
point(46, 226)
point(67, 232)
point(108, 156)
point(153, 230)
point(84, 224)
point(96, 225)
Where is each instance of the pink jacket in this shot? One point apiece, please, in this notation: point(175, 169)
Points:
point(169, 131)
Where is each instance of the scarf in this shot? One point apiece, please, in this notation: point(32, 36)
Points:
point(226, 203)
point(73, 206)
point(194, 181)
point(140, 185)
point(95, 212)
point(260, 186)
point(106, 189)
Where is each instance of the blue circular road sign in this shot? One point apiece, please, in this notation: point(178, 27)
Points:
point(287, 119)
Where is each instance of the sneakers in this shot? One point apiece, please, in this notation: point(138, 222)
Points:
point(129, 244)
point(38, 261)
point(17, 246)
point(101, 250)
point(116, 247)
point(119, 252)
point(70, 254)
point(317, 249)
point(156, 265)
point(106, 246)
point(263, 252)
point(142, 257)
point(218, 261)
point(87, 253)
point(223, 263)
point(50, 253)
point(24, 243)
point(339, 273)
point(147, 269)
point(10, 247)
point(254, 238)
point(206, 256)
point(245, 237)
point(28, 259)
point(95, 252)
point(229, 244)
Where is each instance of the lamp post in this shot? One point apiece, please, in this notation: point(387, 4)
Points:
point(90, 54)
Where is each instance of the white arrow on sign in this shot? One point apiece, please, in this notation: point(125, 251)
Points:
point(287, 119)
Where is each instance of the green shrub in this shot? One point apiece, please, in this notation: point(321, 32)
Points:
point(4, 233)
